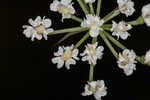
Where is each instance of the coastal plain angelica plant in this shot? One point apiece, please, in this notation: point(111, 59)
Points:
point(94, 27)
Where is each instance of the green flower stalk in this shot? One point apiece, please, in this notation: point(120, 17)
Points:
point(108, 44)
point(83, 6)
point(77, 19)
point(111, 15)
point(98, 7)
point(82, 40)
point(75, 29)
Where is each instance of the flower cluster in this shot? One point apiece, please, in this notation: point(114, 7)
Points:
point(120, 29)
point(94, 23)
point(92, 53)
point(39, 27)
point(127, 61)
point(126, 7)
point(96, 27)
point(69, 55)
point(97, 88)
point(64, 7)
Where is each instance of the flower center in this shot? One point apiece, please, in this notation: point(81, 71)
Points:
point(63, 9)
point(118, 28)
point(92, 51)
point(93, 24)
point(124, 7)
point(93, 89)
point(40, 29)
point(126, 60)
point(66, 55)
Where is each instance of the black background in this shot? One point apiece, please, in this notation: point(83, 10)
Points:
point(28, 72)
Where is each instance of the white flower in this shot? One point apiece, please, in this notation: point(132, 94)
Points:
point(87, 1)
point(147, 57)
point(126, 7)
point(64, 7)
point(92, 53)
point(120, 29)
point(94, 23)
point(39, 27)
point(127, 61)
point(66, 55)
point(97, 88)
point(146, 14)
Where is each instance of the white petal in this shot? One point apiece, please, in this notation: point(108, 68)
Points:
point(36, 22)
point(87, 92)
point(87, 1)
point(54, 5)
point(59, 52)
point(147, 57)
point(85, 58)
point(147, 21)
point(94, 33)
point(45, 35)
point(70, 62)
point(129, 70)
point(124, 35)
point(72, 10)
point(59, 61)
point(84, 53)
point(28, 31)
point(49, 30)
point(75, 54)
point(47, 23)
point(39, 37)
point(84, 24)
point(100, 49)
point(65, 16)
point(66, 2)
point(68, 48)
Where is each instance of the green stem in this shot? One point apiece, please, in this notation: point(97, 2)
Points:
point(107, 27)
point(108, 44)
point(94, 40)
point(111, 15)
point(91, 72)
point(66, 36)
point(113, 40)
point(117, 43)
point(75, 29)
point(138, 21)
point(77, 19)
point(98, 7)
point(82, 5)
point(91, 8)
point(82, 40)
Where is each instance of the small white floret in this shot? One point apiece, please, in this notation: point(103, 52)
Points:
point(127, 61)
point(38, 28)
point(94, 23)
point(64, 7)
point(92, 53)
point(126, 7)
point(65, 55)
point(120, 29)
point(96, 88)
